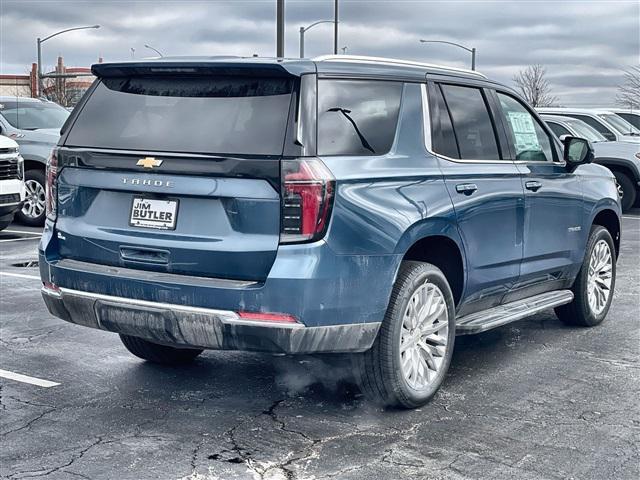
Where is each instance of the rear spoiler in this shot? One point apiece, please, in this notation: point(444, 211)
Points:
point(224, 66)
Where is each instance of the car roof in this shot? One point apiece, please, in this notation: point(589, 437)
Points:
point(327, 64)
point(557, 118)
point(10, 98)
point(591, 111)
point(620, 110)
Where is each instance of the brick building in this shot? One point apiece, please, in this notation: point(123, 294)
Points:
point(65, 91)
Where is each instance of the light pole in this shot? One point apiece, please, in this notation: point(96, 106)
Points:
point(154, 49)
point(335, 27)
point(470, 50)
point(40, 41)
point(304, 29)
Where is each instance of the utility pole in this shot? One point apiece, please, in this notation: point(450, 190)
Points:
point(279, 28)
point(335, 28)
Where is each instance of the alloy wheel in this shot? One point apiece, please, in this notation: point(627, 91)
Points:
point(424, 336)
point(34, 203)
point(599, 277)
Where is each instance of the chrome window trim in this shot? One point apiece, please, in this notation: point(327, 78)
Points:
point(428, 145)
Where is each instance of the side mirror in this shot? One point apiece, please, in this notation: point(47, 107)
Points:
point(577, 151)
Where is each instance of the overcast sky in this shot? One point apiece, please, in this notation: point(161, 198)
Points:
point(584, 45)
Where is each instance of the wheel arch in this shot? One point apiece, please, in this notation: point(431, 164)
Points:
point(437, 241)
point(30, 164)
point(609, 219)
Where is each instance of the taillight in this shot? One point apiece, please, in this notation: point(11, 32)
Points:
point(51, 195)
point(307, 197)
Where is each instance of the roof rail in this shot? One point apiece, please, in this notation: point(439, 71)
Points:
point(392, 61)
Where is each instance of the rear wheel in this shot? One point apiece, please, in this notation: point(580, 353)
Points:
point(157, 353)
point(595, 283)
point(628, 190)
point(411, 355)
point(33, 210)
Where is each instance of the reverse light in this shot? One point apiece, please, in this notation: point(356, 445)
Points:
point(267, 317)
point(638, 155)
point(307, 197)
point(51, 189)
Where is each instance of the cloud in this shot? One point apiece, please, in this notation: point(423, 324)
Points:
point(585, 45)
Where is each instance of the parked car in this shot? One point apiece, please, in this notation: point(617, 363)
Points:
point(35, 125)
point(610, 125)
point(630, 115)
point(11, 181)
point(353, 205)
point(622, 158)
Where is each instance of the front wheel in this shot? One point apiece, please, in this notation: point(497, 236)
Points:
point(627, 190)
point(594, 285)
point(157, 353)
point(411, 355)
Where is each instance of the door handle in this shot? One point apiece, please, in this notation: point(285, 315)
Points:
point(533, 185)
point(466, 188)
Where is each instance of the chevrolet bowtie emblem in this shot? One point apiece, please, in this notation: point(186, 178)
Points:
point(149, 162)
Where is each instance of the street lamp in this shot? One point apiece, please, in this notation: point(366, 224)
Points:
point(151, 48)
point(41, 41)
point(304, 29)
point(471, 50)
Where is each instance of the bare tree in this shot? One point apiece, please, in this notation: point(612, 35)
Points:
point(629, 91)
point(55, 89)
point(534, 86)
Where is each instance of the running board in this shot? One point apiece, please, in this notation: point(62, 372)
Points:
point(501, 315)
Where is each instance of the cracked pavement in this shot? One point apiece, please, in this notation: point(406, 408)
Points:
point(532, 400)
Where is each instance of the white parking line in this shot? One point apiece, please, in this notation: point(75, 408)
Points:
point(18, 239)
point(629, 216)
point(27, 379)
point(19, 275)
point(23, 232)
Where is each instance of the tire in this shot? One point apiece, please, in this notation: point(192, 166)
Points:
point(33, 212)
point(628, 189)
point(581, 311)
point(379, 372)
point(157, 353)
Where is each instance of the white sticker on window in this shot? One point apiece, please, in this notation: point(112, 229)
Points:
point(524, 131)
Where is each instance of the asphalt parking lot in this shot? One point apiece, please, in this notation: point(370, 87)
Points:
point(531, 400)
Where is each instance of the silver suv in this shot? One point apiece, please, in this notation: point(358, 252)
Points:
point(611, 126)
point(35, 125)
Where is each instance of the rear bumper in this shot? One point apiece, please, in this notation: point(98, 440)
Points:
point(180, 325)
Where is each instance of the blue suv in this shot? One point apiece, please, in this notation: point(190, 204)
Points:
point(345, 205)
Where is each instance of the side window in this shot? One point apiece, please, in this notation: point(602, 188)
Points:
point(357, 117)
point(632, 118)
point(592, 122)
point(530, 141)
point(471, 123)
point(558, 130)
point(443, 137)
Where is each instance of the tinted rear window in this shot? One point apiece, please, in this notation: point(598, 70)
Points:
point(357, 117)
point(220, 115)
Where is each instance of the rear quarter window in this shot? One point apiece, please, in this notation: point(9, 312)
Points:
point(357, 117)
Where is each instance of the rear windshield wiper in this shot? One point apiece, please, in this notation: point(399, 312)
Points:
point(346, 113)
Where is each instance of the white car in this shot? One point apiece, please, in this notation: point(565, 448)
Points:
point(12, 190)
point(611, 126)
point(630, 115)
